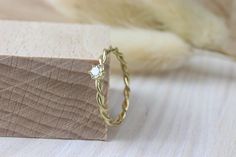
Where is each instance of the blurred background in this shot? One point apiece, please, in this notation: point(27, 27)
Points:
point(154, 35)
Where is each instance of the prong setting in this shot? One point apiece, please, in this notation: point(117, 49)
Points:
point(96, 72)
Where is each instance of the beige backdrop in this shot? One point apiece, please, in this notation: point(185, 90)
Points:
point(40, 10)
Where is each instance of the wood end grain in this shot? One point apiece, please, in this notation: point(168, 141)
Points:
point(45, 88)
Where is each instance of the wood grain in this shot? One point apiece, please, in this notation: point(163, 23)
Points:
point(45, 88)
point(185, 113)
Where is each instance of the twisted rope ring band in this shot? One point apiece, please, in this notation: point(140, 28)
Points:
point(97, 73)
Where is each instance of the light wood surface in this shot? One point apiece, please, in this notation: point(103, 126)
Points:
point(186, 113)
point(45, 88)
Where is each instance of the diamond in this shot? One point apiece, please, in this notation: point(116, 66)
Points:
point(96, 72)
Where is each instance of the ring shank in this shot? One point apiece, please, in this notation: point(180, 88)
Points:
point(103, 107)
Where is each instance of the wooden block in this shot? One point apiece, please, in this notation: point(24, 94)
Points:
point(45, 88)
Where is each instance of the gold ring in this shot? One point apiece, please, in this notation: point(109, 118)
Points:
point(97, 73)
